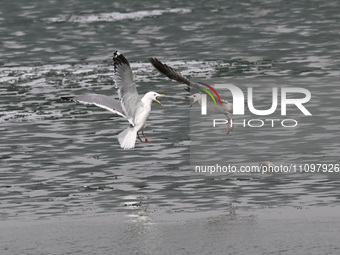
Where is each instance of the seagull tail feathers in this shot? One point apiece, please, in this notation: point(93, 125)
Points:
point(127, 138)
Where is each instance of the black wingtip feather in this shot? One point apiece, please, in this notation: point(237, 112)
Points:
point(119, 59)
point(169, 71)
point(162, 68)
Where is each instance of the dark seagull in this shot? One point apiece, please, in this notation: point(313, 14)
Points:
point(197, 89)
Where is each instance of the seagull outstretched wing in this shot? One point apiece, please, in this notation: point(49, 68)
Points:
point(170, 72)
point(192, 87)
point(102, 101)
point(127, 92)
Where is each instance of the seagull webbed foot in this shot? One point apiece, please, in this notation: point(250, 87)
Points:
point(146, 139)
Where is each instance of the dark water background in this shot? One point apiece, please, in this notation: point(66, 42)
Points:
point(64, 178)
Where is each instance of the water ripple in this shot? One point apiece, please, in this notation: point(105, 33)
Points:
point(115, 16)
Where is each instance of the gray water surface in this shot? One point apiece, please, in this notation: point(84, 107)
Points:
point(66, 187)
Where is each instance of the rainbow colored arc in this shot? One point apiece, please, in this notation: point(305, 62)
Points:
point(208, 92)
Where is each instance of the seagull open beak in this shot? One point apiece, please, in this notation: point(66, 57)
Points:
point(161, 95)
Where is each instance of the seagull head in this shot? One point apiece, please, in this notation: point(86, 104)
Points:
point(154, 96)
point(196, 97)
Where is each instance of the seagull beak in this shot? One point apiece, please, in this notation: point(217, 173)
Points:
point(188, 97)
point(161, 95)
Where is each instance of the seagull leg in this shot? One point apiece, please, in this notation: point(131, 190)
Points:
point(228, 128)
point(231, 120)
point(146, 139)
point(139, 137)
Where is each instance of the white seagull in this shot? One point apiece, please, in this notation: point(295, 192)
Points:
point(196, 89)
point(131, 105)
